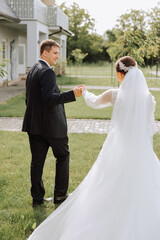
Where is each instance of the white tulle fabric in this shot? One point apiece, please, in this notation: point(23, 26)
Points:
point(119, 199)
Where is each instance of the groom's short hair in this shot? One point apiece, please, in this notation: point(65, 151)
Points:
point(47, 45)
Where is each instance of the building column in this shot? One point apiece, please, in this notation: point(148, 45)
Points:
point(32, 43)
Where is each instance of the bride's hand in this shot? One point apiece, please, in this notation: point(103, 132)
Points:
point(83, 88)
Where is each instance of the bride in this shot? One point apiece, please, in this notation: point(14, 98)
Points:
point(119, 199)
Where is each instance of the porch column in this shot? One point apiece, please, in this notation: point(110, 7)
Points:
point(32, 43)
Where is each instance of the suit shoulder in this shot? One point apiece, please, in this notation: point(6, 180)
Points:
point(48, 71)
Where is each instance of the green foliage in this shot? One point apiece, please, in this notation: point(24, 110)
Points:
point(59, 68)
point(137, 34)
point(2, 64)
point(84, 38)
point(134, 45)
point(153, 50)
point(154, 19)
point(152, 44)
point(133, 19)
point(78, 55)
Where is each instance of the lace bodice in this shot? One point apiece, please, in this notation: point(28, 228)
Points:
point(106, 99)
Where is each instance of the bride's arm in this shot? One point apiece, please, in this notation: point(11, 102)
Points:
point(100, 101)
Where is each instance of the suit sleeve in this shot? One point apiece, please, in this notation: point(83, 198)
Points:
point(48, 90)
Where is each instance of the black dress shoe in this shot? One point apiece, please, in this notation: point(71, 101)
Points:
point(59, 200)
point(36, 203)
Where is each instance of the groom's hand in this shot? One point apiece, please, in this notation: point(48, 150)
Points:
point(77, 91)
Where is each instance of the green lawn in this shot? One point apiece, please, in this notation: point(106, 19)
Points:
point(16, 107)
point(66, 80)
point(99, 74)
point(13, 107)
point(100, 69)
point(17, 217)
point(99, 81)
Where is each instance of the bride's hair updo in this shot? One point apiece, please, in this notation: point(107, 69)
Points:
point(124, 64)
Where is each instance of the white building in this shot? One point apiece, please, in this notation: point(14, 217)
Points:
point(23, 25)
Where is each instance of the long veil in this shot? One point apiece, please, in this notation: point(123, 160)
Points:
point(133, 118)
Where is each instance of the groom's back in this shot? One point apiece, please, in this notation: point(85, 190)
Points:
point(34, 104)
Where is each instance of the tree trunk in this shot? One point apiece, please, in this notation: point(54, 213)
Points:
point(157, 67)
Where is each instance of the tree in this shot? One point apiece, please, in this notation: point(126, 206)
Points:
point(78, 55)
point(153, 36)
point(85, 37)
point(133, 19)
point(80, 24)
point(137, 34)
point(128, 37)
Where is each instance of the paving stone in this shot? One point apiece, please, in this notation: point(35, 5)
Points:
point(74, 125)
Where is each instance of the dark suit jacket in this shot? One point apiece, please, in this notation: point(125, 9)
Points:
point(45, 113)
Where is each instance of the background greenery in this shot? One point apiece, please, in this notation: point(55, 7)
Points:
point(136, 33)
point(17, 217)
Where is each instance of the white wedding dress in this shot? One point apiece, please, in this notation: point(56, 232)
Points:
point(119, 199)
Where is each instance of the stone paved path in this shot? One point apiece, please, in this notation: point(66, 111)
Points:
point(74, 125)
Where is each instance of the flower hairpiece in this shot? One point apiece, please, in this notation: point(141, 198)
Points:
point(123, 67)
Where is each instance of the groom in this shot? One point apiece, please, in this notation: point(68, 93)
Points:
point(45, 122)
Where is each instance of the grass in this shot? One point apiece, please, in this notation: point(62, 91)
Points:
point(99, 81)
point(99, 74)
point(66, 80)
point(100, 69)
point(15, 107)
point(17, 217)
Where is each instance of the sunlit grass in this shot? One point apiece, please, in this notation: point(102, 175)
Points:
point(17, 217)
point(102, 74)
point(16, 108)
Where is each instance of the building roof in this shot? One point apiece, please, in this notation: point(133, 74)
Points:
point(6, 14)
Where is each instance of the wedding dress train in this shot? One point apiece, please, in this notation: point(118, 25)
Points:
point(119, 199)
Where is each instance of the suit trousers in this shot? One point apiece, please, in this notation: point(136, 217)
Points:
point(39, 146)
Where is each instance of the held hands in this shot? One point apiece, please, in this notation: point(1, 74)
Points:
point(78, 90)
